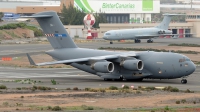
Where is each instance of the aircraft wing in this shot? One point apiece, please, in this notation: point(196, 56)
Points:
point(177, 34)
point(145, 36)
point(105, 57)
point(152, 36)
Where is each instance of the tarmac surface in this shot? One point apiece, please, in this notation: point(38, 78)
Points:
point(71, 77)
point(21, 49)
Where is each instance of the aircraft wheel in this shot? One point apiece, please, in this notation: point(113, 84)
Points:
point(111, 42)
point(135, 41)
point(149, 41)
point(183, 81)
point(139, 80)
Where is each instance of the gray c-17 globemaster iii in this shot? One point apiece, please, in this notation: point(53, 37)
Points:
point(142, 33)
point(110, 65)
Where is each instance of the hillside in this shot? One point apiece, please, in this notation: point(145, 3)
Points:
point(19, 30)
point(17, 33)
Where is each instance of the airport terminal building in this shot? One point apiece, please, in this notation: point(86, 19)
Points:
point(120, 14)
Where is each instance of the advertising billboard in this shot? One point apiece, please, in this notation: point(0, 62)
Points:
point(119, 6)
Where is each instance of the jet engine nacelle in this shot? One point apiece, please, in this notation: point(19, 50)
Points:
point(133, 64)
point(103, 67)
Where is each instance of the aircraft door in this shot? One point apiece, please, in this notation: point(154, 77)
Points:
point(117, 34)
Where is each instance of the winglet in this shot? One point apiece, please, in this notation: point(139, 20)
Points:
point(30, 60)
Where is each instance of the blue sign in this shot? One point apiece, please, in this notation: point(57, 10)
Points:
point(8, 16)
point(60, 35)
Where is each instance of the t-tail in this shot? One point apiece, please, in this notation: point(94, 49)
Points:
point(165, 23)
point(53, 29)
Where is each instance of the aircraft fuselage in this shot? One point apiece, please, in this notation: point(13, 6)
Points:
point(157, 65)
point(139, 33)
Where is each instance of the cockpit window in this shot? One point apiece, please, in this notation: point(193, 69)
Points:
point(187, 59)
point(184, 59)
point(107, 33)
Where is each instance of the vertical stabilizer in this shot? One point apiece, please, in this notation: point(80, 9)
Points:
point(54, 30)
point(165, 23)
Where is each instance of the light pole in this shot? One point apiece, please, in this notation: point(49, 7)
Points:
point(191, 4)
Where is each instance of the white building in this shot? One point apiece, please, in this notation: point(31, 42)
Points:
point(122, 11)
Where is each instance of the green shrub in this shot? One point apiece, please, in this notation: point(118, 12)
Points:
point(102, 90)
point(87, 89)
point(93, 90)
point(3, 87)
point(113, 88)
point(18, 88)
point(138, 92)
point(53, 82)
point(22, 96)
point(87, 107)
point(188, 91)
point(125, 87)
point(185, 44)
point(174, 89)
point(150, 88)
point(178, 102)
point(68, 89)
point(75, 88)
point(166, 108)
point(49, 107)
point(19, 104)
point(5, 103)
point(56, 108)
point(194, 102)
point(183, 101)
point(42, 88)
point(171, 89)
point(33, 89)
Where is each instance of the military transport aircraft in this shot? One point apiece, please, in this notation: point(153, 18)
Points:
point(110, 65)
point(142, 33)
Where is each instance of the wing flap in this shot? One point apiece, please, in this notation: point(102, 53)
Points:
point(106, 57)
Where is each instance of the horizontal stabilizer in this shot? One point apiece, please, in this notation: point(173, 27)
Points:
point(37, 16)
point(30, 60)
point(167, 14)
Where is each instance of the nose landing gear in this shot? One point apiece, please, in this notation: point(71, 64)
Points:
point(137, 40)
point(183, 81)
point(149, 41)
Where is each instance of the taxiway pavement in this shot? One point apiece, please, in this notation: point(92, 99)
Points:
point(71, 77)
point(15, 50)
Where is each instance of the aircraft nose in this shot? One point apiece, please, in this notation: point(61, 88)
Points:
point(104, 37)
point(192, 67)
